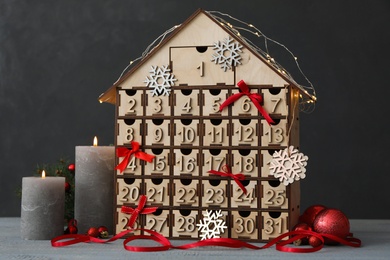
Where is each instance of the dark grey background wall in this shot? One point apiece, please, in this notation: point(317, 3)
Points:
point(57, 57)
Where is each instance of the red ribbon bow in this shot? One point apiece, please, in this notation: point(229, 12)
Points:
point(139, 210)
point(228, 173)
point(125, 152)
point(256, 99)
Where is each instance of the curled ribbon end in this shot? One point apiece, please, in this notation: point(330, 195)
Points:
point(151, 158)
point(119, 168)
point(243, 86)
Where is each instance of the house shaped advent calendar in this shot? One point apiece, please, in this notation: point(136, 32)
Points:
point(211, 111)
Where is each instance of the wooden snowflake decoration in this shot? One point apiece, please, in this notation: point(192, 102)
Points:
point(212, 226)
point(288, 165)
point(227, 53)
point(160, 80)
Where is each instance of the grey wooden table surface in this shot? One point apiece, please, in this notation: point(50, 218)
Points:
point(375, 236)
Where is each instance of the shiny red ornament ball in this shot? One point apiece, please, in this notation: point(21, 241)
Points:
point(72, 167)
point(314, 241)
point(102, 228)
point(71, 230)
point(310, 214)
point(93, 232)
point(103, 232)
point(72, 222)
point(67, 186)
point(302, 227)
point(332, 221)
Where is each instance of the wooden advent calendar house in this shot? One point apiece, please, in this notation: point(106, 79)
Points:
point(170, 102)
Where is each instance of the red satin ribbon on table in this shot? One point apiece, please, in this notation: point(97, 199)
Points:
point(140, 209)
point(125, 152)
point(72, 239)
point(281, 245)
point(254, 97)
point(228, 173)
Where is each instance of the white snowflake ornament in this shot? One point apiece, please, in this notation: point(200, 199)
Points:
point(227, 53)
point(212, 226)
point(288, 165)
point(160, 80)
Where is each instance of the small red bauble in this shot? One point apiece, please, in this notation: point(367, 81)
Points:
point(67, 186)
point(93, 232)
point(332, 221)
point(71, 167)
point(314, 241)
point(72, 222)
point(310, 214)
point(103, 232)
point(71, 230)
point(302, 227)
point(102, 228)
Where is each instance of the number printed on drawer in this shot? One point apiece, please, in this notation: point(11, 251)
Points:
point(131, 102)
point(128, 130)
point(244, 225)
point(184, 223)
point(274, 224)
point(186, 192)
point(128, 190)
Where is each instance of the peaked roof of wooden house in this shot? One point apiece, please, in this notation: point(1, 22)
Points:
point(109, 96)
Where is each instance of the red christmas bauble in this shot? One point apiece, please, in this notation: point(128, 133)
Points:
point(71, 167)
point(102, 228)
point(314, 241)
point(71, 230)
point(72, 222)
point(332, 221)
point(93, 232)
point(310, 214)
point(302, 227)
point(67, 186)
point(103, 232)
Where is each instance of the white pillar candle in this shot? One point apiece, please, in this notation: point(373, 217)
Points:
point(43, 205)
point(94, 187)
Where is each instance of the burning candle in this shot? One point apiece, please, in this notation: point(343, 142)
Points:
point(43, 205)
point(94, 186)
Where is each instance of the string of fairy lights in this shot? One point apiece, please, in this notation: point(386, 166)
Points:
point(149, 49)
point(307, 103)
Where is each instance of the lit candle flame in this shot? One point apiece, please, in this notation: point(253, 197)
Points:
point(95, 141)
point(43, 174)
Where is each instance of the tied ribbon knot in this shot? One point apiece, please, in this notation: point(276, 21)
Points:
point(125, 152)
point(228, 173)
point(140, 209)
point(256, 99)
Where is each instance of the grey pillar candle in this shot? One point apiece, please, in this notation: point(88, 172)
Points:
point(94, 187)
point(43, 205)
